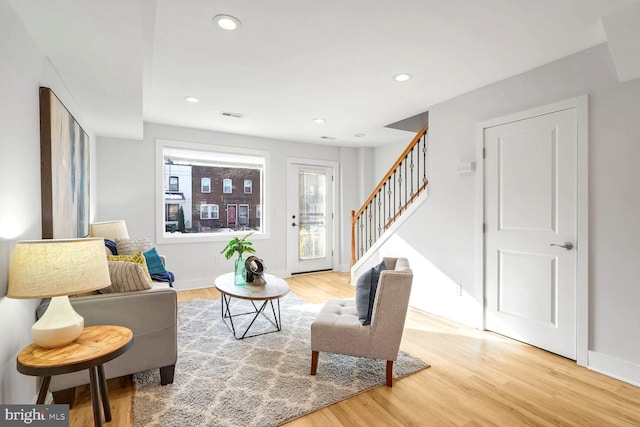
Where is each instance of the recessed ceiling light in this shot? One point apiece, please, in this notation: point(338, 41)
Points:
point(191, 99)
point(402, 77)
point(359, 135)
point(227, 22)
point(319, 120)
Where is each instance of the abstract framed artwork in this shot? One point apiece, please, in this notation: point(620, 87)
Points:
point(64, 166)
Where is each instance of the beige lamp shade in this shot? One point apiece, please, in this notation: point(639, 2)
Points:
point(109, 229)
point(56, 269)
point(48, 268)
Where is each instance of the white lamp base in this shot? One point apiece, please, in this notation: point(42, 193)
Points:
point(60, 324)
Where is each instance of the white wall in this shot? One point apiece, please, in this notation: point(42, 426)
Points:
point(440, 237)
point(127, 191)
point(23, 69)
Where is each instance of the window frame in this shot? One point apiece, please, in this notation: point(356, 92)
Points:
point(202, 181)
point(177, 183)
point(169, 238)
point(210, 210)
point(226, 181)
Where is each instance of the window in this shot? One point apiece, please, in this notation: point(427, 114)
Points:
point(209, 212)
point(171, 213)
point(227, 187)
point(211, 208)
point(174, 183)
point(205, 185)
point(258, 211)
point(243, 215)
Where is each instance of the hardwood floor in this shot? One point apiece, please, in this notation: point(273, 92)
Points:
point(476, 379)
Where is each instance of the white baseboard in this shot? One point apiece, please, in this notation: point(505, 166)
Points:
point(183, 285)
point(615, 368)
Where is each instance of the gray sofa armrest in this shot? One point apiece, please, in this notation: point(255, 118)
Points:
point(152, 316)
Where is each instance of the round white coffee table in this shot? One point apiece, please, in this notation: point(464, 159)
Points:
point(260, 297)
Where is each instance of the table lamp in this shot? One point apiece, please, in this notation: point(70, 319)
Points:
point(109, 229)
point(57, 268)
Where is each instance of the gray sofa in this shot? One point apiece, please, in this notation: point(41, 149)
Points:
point(152, 316)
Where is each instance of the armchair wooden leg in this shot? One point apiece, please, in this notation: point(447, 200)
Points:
point(389, 373)
point(314, 362)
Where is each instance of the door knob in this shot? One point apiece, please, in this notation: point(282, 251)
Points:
point(566, 245)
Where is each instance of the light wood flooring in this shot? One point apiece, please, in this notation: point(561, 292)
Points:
point(476, 379)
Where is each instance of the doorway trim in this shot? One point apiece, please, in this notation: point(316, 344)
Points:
point(337, 219)
point(581, 104)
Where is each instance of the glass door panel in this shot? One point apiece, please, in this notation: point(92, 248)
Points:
point(312, 210)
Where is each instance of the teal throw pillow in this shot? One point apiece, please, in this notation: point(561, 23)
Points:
point(154, 262)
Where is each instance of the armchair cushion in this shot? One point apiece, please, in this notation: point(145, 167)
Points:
point(366, 287)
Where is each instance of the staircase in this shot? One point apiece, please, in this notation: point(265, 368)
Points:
point(397, 190)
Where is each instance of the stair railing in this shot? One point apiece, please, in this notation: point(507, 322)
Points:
point(406, 179)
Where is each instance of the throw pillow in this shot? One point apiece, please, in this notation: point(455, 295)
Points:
point(154, 262)
point(366, 287)
point(111, 247)
point(131, 246)
point(137, 258)
point(126, 277)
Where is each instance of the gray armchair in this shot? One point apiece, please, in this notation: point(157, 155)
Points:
point(337, 328)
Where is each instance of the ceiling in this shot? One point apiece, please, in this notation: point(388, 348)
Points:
point(291, 62)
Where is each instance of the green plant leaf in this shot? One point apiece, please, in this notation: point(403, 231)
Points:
point(238, 245)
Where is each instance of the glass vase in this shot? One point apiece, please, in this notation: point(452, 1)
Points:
point(240, 272)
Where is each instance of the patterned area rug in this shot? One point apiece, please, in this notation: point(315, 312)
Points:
point(259, 381)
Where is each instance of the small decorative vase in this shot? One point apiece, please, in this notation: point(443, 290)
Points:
point(240, 272)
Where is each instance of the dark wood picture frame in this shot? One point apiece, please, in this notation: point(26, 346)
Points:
point(64, 166)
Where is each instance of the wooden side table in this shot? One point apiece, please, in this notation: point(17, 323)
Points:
point(94, 347)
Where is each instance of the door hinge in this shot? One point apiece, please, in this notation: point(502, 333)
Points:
point(484, 152)
point(484, 228)
point(484, 301)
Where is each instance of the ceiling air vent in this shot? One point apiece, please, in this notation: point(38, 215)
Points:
point(234, 115)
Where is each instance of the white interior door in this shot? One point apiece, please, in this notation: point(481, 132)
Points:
point(310, 218)
point(531, 213)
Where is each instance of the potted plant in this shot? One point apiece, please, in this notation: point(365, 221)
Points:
point(240, 246)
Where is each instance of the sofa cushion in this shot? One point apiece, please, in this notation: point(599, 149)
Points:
point(154, 262)
point(366, 287)
point(137, 258)
point(126, 277)
point(131, 246)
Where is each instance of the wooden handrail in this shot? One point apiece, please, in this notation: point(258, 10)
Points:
point(353, 237)
point(393, 168)
point(365, 231)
